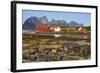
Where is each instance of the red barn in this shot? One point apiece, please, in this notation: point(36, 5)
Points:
point(42, 28)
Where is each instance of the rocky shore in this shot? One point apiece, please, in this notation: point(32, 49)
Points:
point(39, 54)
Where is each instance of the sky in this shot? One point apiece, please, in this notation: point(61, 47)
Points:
point(83, 18)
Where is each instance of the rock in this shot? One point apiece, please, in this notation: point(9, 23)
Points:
point(40, 50)
point(27, 61)
point(60, 49)
point(26, 55)
point(65, 49)
point(47, 57)
point(53, 51)
point(32, 51)
point(33, 58)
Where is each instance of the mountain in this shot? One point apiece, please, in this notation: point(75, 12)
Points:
point(62, 23)
point(32, 22)
point(43, 20)
point(59, 23)
point(53, 22)
point(75, 24)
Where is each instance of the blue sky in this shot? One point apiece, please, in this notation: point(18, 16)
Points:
point(84, 18)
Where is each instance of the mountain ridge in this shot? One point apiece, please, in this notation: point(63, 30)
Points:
point(32, 22)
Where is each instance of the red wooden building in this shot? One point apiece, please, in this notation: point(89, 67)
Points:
point(42, 28)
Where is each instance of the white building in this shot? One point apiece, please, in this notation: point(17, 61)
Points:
point(57, 29)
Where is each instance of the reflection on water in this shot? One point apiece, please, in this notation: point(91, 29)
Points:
point(57, 35)
point(79, 36)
